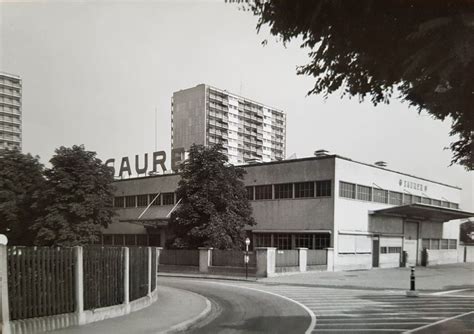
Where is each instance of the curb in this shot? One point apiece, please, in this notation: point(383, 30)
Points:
point(227, 278)
point(190, 322)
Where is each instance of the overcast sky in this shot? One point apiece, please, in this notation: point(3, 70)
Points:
point(94, 72)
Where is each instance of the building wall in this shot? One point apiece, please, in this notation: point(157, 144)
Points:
point(10, 112)
point(188, 117)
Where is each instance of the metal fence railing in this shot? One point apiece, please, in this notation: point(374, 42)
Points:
point(232, 258)
point(180, 257)
point(138, 283)
point(103, 276)
point(316, 257)
point(287, 258)
point(40, 281)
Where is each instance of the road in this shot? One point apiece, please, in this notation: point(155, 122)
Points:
point(242, 309)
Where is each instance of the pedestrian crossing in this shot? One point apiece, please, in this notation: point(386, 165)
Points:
point(347, 310)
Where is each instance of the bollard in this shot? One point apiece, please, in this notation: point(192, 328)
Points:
point(412, 292)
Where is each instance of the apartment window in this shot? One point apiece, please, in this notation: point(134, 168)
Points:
point(119, 202)
point(347, 189)
point(395, 198)
point(425, 200)
point(142, 200)
point(130, 201)
point(263, 192)
point(284, 190)
point(304, 240)
point(304, 189)
point(380, 195)
point(407, 199)
point(263, 240)
point(249, 193)
point(364, 193)
point(282, 241)
point(436, 202)
point(323, 188)
point(168, 198)
point(153, 200)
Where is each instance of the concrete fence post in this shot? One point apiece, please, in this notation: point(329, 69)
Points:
point(79, 285)
point(330, 259)
point(4, 309)
point(149, 270)
point(266, 258)
point(158, 251)
point(126, 276)
point(205, 259)
point(303, 258)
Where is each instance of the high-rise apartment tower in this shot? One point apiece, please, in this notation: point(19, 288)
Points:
point(249, 131)
point(10, 111)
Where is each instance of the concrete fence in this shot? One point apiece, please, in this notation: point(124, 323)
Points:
point(44, 289)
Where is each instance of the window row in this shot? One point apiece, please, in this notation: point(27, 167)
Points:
point(439, 244)
point(365, 193)
point(390, 250)
point(290, 190)
point(293, 241)
point(134, 201)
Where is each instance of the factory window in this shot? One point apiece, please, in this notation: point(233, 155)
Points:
point(284, 190)
point(263, 240)
point(304, 241)
point(445, 204)
point(380, 195)
point(444, 244)
point(454, 205)
point(407, 199)
point(263, 192)
point(395, 198)
point(119, 202)
point(282, 241)
point(364, 193)
point(426, 200)
point(304, 189)
point(434, 244)
point(321, 241)
point(250, 193)
point(323, 188)
point(452, 243)
point(155, 200)
point(142, 200)
point(416, 199)
point(168, 198)
point(347, 190)
point(130, 201)
point(436, 202)
point(439, 243)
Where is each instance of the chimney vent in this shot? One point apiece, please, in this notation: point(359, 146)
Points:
point(382, 164)
point(321, 153)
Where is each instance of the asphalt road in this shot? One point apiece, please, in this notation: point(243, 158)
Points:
point(242, 310)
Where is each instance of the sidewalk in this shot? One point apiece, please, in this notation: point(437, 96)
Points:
point(443, 277)
point(175, 310)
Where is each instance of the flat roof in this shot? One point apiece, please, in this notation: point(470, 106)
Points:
point(329, 156)
point(425, 211)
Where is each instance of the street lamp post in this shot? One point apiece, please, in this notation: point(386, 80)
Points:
point(246, 258)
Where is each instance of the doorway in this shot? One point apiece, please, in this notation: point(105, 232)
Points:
point(375, 251)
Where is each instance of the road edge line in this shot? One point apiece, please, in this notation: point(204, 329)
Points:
point(190, 322)
point(312, 324)
point(437, 322)
point(441, 293)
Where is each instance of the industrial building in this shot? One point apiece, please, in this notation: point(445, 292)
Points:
point(249, 131)
point(10, 111)
point(370, 215)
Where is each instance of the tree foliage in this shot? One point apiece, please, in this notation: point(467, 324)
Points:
point(77, 200)
point(465, 231)
point(421, 50)
point(214, 209)
point(21, 184)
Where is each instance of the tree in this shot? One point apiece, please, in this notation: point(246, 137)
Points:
point(77, 200)
point(21, 184)
point(214, 208)
point(422, 50)
point(466, 232)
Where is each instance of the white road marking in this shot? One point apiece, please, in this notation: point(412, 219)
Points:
point(446, 292)
point(437, 323)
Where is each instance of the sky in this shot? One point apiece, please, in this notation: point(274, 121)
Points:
point(96, 72)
